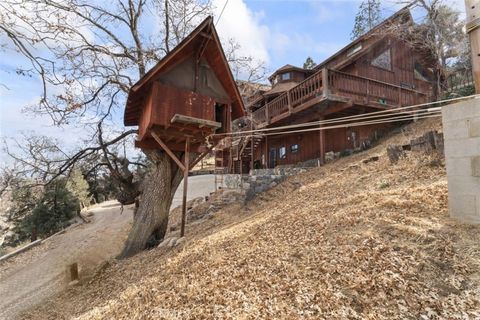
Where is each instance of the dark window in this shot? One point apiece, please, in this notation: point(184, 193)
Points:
point(383, 60)
point(286, 76)
point(422, 73)
point(294, 148)
point(282, 152)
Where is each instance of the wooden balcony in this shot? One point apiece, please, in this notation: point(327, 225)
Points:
point(337, 86)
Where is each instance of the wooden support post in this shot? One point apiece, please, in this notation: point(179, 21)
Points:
point(322, 143)
point(185, 186)
point(267, 113)
point(473, 30)
point(266, 152)
point(289, 100)
point(399, 96)
point(325, 90)
point(251, 143)
point(168, 151)
point(201, 157)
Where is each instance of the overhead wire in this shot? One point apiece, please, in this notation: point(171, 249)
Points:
point(356, 124)
point(221, 13)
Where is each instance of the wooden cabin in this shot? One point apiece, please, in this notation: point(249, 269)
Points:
point(190, 93)
point(377, 71)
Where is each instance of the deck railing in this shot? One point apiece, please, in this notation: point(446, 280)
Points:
point(370, 91)
point(358, 89)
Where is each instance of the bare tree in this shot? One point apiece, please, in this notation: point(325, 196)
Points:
point(438, 34)
point(92, 53)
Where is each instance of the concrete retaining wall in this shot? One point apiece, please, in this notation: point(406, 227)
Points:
point(461, 128)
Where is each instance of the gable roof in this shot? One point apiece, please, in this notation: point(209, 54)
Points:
point(203, 38)
point(402, 16)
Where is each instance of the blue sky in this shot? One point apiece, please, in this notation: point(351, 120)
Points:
point(275, 31)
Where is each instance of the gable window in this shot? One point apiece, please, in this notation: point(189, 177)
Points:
point(422, 73)
point(282, 152)
point(383, 60)
point(354, 50)
point(286, 76)
point(294, 148)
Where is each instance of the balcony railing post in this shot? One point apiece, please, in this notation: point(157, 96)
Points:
point(289, 101)
point(325, 90)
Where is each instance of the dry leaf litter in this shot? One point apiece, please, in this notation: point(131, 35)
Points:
point(345, 241)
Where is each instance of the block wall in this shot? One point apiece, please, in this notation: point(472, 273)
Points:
point(461, 128)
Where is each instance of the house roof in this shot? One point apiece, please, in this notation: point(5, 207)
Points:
point(281, 87)
point(288, 67)
point(403, 13)
point(203, 39)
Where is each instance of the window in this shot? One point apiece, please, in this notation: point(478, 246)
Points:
point(294, 148)
point(422, 73)
point(286, 76)
point(383, 60)
point(354, 50)
point(282, 152)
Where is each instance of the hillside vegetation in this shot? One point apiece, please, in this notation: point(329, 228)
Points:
point(347, 240)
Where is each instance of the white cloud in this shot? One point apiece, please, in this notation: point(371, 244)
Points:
point(242, 24)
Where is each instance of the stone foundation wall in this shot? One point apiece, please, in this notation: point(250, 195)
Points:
point(259, 180)
point(461, 129)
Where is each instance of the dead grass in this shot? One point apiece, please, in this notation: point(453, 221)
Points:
point(328, 244)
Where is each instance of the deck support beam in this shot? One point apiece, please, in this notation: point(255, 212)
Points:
point(185, 186)
point(185, 167)
point(194, 163)
point(321, 142)
point(168, 151)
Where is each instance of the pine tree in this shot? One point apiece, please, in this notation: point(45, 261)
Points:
point(78, 186)
point(368, 16)
point(52, 213)
point(309, 64)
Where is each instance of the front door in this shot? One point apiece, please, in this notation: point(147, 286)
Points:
point(272, 158)
point(352, 139)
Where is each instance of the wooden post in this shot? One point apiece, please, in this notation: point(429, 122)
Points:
point(185, 186)
point(267, 114)
point(399, 96)
point(251, 143)
point(289, 100)
point(473, 29)
point(368, 91)
point(325, 90)
point(322, 143)
point(72, 271)
point(266, 152)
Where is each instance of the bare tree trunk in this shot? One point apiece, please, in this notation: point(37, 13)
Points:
point(151, 219)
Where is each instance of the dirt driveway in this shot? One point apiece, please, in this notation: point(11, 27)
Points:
point(39, 273)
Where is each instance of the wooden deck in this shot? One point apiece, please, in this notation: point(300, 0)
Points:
point(334, 85)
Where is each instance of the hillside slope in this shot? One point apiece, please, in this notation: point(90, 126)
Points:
point(347, 240)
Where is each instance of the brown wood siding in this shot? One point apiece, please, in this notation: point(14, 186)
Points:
point(165, 101)
point(336, 140)
point(403, 58)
